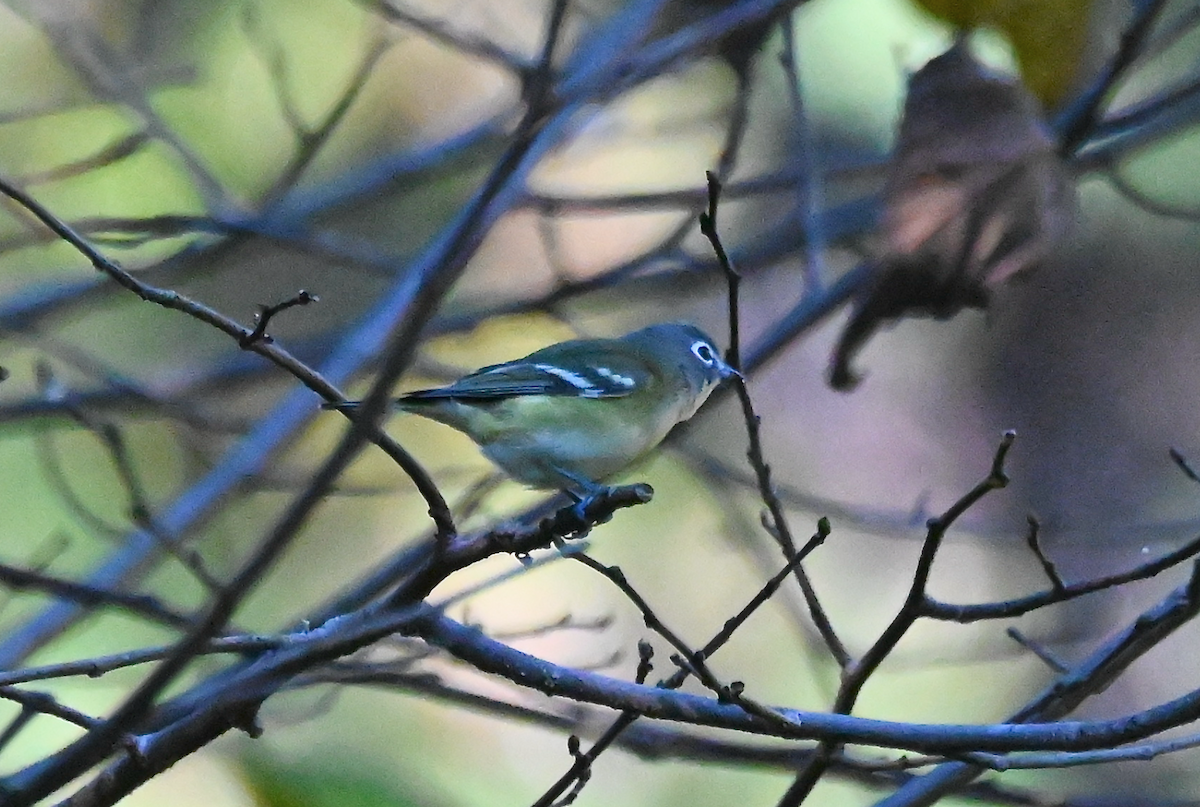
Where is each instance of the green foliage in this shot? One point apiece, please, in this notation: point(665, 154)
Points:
point(1048, 36)
point(321, 782)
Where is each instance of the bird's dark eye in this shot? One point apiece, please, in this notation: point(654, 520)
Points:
point(704, 352)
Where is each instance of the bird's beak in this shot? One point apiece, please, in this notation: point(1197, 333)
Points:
point(729, 371)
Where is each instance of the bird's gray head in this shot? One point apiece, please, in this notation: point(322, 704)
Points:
point(690, 350)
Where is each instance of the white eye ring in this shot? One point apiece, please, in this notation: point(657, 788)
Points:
point(704, 352)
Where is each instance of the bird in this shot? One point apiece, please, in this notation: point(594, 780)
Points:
point(570, 415)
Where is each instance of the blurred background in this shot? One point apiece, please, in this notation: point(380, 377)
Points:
point(241, 151)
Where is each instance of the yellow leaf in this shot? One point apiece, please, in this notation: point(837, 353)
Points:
point(1047, 36)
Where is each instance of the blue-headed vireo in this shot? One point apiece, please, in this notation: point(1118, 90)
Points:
point(577, 412)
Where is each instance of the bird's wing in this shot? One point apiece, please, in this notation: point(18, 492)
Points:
point(614, 377)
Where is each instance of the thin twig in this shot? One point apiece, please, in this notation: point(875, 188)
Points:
point(438, 509)
point(126, 146)
point(47, 704)
point(780, 530)
point(1078, 119)
point(1067, 692)
point(143, 605)
point(810, 189)
point(1038, 650)
point(935, 609)
point(855, 676)
point(267, 312)
point(581, 766)
point(1035, 546)
point(1184, 465)
point(97, 666)
point(695, 663)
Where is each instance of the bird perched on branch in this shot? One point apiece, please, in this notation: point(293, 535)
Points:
point(575, 413)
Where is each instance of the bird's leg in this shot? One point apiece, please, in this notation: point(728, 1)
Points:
point(582, 490)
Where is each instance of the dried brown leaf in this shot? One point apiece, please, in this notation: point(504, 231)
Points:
point(976, 194)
